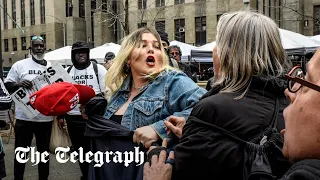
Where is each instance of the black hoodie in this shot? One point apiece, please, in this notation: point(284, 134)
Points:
point(80, 46)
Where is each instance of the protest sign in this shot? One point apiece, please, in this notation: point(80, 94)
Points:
point(54, 73)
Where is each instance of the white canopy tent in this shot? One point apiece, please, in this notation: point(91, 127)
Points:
point(99, 52)
point(62, 55)
point(297, 44)
point(185, 48)
point(293, 43)
point(203, 53)
point(315, 38)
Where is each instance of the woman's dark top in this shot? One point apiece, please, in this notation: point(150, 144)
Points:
point(116, 118)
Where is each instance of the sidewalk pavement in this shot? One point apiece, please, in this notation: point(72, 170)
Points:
point(58, 171)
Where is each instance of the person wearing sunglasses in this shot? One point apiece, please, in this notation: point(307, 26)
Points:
point(175, 52)
point(20, 75)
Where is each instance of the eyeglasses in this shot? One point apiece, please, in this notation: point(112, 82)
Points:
point(296, 78)
point(36, 37)
point(175, 53)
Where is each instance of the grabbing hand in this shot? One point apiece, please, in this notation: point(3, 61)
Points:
point(25, 84)
point(175, 124)
point(83, 112)
point(161, 168)
point(60, 123)
point(145, 135)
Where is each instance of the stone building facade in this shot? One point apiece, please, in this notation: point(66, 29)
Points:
point(62, 22)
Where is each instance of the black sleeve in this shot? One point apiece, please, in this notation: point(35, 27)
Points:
point(11, 86)
point(303, 170)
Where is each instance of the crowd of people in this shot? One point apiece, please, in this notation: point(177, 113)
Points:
point(258, 118)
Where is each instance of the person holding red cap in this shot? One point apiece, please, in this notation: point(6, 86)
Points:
point(20, 76)
point(83, 72)
point(59, 98)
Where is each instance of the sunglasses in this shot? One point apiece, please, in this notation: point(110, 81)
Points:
point(36, 37)
point(296, 79)
point(175, 53)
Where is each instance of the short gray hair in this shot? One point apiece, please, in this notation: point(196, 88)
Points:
point(248, 44)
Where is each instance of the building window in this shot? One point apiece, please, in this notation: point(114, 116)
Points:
point(43, 11)
point(32, 14)
point(14, 13)
point(23, 14)
point(10, 60)
point(160, 3)
point(161, 26)
point(23, 43)
point(14, 44)
point(93, 7)
point(201, 32)
point(69, 8)
point(140, 25)
point(316, 24)
point(279, 13)
point(6, 45)
point(270, 9)
point(142, 4)
point(179, 29)
point(5, 12)
point(264, 6)
point(81, 9)
point(104, 5)
point(178, 1)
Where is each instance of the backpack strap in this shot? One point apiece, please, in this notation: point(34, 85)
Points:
point(95, 68)
point(230, 134)
point(221, 130)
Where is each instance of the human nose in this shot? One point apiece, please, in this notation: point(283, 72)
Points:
point(290, 95)
point(150, 49)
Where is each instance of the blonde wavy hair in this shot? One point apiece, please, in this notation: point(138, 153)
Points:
point(248, 44)
point(116, 74)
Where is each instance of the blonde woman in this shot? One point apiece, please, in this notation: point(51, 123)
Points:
point(248, 71)
point(144, 91)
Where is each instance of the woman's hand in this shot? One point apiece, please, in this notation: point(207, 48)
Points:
point(83, 112)
point(145, 135)
point(175, 124)
point(60, 123)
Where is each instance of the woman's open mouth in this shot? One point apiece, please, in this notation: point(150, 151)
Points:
point(150, 61)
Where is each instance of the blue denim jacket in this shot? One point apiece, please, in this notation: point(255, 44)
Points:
point(170, 93)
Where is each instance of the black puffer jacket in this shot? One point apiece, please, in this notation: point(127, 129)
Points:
point(203, 153)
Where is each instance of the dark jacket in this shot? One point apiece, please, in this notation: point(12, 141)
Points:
point(206, 153)
point(188, 70)
point(308, 169)
point(105, 136)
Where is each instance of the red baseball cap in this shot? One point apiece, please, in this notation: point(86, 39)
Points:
point(59, 98)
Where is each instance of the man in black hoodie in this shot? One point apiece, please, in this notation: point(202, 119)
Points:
point(88, 73)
